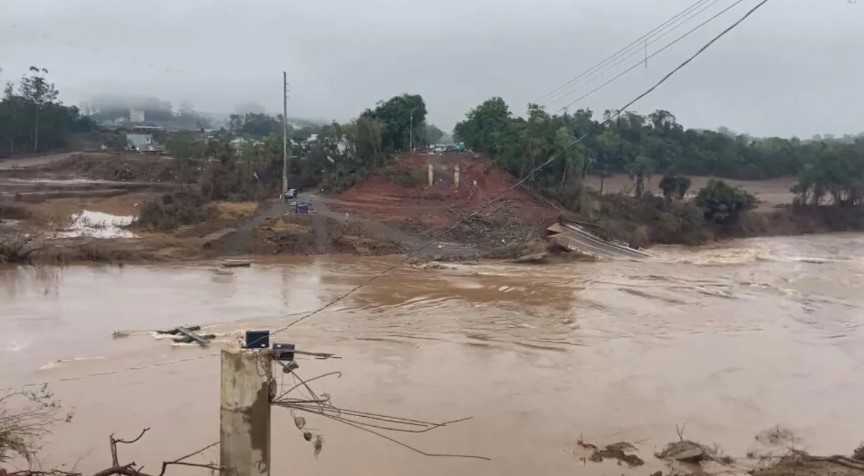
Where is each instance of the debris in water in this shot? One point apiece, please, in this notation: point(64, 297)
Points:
point(187, 335)
point(236, 263)
point(621, 451)
point(683, 450)
point(536, 258)
point(318, 445)
point(800, 463)
point(189, 340)
point(777, 436)
point(174, 331)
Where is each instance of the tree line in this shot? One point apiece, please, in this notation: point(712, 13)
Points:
point(332, 156)
point(33, 119)
point(829, 171)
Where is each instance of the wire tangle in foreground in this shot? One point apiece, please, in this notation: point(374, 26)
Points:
point(370, 422)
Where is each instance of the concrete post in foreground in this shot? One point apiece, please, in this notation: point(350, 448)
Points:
point(245, 412)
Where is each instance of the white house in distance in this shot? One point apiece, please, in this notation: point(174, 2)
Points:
point(140, 139)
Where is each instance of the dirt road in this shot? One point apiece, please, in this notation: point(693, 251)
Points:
point(20, 162)
point(239, 241)
point(323, 216)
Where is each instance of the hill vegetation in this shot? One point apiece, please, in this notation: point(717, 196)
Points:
point(243, 161)
point(831, 172)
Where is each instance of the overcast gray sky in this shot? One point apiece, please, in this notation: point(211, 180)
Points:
point(794, 68)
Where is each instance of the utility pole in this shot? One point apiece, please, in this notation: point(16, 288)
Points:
point(646, 59)
point(244, 416)
point(411, 130)
point(284, 134)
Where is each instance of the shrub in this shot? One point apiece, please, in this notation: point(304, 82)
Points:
point(13, 211)
point(674, 186)
point(26, 417)
point(218, 182)
point(723, 203)
point(650, 219)
point(17, 249)
point(175, 209)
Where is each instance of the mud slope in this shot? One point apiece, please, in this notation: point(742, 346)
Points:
point(401, 194)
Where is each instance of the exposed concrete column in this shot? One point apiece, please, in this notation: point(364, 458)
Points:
point(431, 175)
point(245, 412)
point(456, 176)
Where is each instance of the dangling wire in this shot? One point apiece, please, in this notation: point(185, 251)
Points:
point(363, 420)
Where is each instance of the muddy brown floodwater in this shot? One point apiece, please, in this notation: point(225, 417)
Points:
point(732, 340)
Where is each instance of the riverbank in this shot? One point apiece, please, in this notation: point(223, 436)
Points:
point(51, 206)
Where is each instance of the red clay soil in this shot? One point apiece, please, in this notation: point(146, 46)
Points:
point(480, 181)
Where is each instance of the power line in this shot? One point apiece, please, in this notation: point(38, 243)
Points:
point(661, 50)
point(112, 372)
point(633, 48)
point(623, 50)
point(523, 180)
point(599, 73)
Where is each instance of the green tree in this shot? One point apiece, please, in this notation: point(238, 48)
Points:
point(674, 186)
point(640, 170)
point(572, 156)
point(432, 134)
point(539, 137)
point(838, 174)
point(33, 118)
point(610, 155)
point(486, 127)
point(254, 125)
point(38, 91)
point(364, 137)
point(402, 120)
point(723, 203)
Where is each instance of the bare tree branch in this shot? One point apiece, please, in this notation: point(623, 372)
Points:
point(181, 462)
point(131, 469)
point(114, 442)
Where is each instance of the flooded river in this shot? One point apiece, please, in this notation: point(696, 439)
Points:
point(732, 340)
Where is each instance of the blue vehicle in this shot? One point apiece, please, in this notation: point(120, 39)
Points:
point(302, 207)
